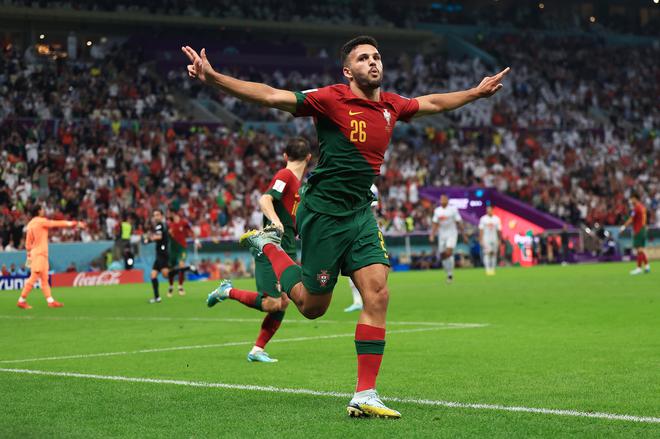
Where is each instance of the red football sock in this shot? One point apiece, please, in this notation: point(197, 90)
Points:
point(181, 277)
point(278, 259)
point(640, 259)
point(268, 329)
point(247, 298)
point(645, 260)
point(370, 344)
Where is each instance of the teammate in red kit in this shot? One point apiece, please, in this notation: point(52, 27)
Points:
point(179, 230)
point(279, 205)
point(638, 219)
point(339, 234)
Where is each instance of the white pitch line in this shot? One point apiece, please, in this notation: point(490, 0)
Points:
point(236, 343)
point(222, 319)
point(158, 319)
point(285, 390)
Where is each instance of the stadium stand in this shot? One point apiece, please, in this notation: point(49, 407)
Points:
point(566, 136)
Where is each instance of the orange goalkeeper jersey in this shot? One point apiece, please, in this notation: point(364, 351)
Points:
point(36, 241)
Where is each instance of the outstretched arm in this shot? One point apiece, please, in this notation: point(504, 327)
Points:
point(262, 94)
point(64, 223)
point(436, 103)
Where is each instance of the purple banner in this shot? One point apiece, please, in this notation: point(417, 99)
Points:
point(472, 204)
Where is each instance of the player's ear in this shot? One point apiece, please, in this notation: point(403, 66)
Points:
point(286, 157)
point(347, 72)
point(308, 158)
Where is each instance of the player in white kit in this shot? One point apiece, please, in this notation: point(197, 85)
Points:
point(490, 228)
point(446, 224)
point(357, 298)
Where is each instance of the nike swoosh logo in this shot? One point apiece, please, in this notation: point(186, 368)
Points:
point(350, 113)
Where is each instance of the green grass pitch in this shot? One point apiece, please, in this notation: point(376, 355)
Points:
point(579, 338)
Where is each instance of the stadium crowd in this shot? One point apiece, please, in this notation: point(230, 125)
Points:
point(381, 13)
point(562, 118)
point(96, 139)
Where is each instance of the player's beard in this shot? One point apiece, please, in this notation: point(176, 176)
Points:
point(368, 83)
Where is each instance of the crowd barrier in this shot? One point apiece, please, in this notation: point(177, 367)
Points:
point(17, 282)
point(83, 279)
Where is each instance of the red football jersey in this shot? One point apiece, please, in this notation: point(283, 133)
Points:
point(354, 134)
point(180, 231)
point(284, 190)
point(639, 217)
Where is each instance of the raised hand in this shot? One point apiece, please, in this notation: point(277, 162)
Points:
point(200, 67)
point(491, 84)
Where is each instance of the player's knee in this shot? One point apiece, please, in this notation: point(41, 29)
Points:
point(377, 299)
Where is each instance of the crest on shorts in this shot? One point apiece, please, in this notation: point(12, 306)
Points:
point(323, 277)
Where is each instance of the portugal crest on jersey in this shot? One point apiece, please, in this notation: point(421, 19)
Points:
point(323, 277)
point(388, 118)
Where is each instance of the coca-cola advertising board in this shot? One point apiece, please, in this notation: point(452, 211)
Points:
point(96, 278)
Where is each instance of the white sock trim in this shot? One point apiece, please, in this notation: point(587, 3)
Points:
point(364, 393)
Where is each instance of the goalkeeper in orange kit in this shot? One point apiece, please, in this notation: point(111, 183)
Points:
point(36, 244)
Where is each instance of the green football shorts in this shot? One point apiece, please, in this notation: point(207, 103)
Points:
point(177, 254)
point(639, 238)
point(337, 244)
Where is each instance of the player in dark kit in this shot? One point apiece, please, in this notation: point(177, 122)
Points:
point(279, 205)
point(160, 237)
point(354, 124)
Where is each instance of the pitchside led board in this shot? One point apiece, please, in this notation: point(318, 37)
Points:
point(520, 221)
point(18, 282)
point(84, 279)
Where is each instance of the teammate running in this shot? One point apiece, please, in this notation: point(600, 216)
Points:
point(279, 205)
point(638, 219)
point(159, 236)
point(179, 230)
point(490, 229)
point(446, 222)
point(339, 233)
point(36, 244)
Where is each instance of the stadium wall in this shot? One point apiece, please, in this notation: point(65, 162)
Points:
point(61, 255)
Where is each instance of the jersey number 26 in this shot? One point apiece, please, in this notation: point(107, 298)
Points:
point(358, 131)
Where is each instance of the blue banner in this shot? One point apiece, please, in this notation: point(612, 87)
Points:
point(17, 282)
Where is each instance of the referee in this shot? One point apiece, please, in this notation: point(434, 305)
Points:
point(160, 237)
